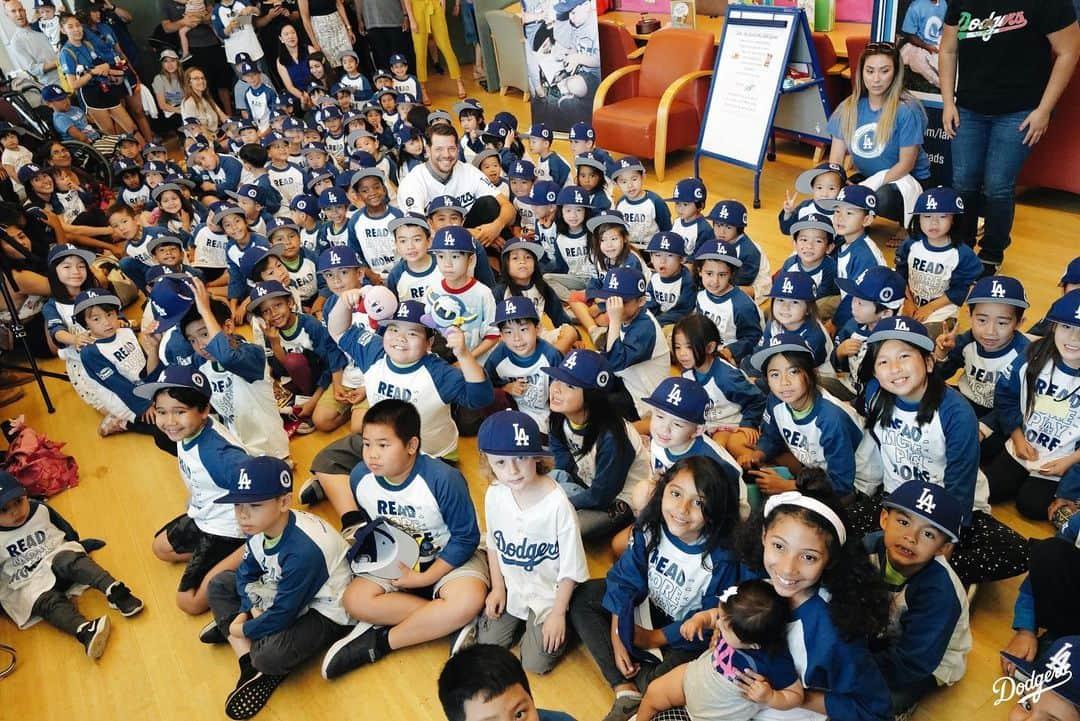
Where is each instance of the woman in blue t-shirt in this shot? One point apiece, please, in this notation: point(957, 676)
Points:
point(881, 125)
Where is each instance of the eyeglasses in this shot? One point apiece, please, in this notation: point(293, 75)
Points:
point(881, 47)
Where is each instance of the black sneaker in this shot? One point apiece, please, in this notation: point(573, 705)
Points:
point(211, 634)
point(120, 597)
point(93, 635)
point(251, 693)
point(312, 492)
point(352, 651)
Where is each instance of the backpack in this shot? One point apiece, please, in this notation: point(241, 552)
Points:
point(36, 461)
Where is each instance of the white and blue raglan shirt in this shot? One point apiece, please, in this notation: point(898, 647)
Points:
point(603, 264)
point(209, 466)
point(572, 255)
point(702, 445)
point(305, 571)
point(547, 236)
point(736, 316)
point(804, 209)
point(407, 85)
point(431, 384)
point(851, 260)
point(209, 247)
point(641, 357)
point(359, 84)
point(331, 236)
point(554, 168)
point(503, 365)
point(1053, 426)
point(848, 367)
point(547, 303)
point(309, 238)
point(304, 277)
point(604, 474)
point(944, 451)
point(407, 284)
point(242, 394)
point(755, 270)
point(26, 554)
point(137, 198)
point(823, 275)
point(335, 144)
point(309, 337)
point(675, 578)
point(734, 402)
point(139, 248)
point(375, 241)
point(670, 299)
point(287, 181)
point(537, 548)
point(844, 670)
point(238, 284)
point(260, 103)
point(694, 233)
point(473, 304)
point(982, 368)
point(526, 214)
point(432, 505)
point(225, 177)
point(929, 633)
point(118, 363)
point(830, 437)
point(645, 217)
point(932, 272)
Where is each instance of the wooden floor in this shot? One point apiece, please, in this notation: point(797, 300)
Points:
point(155, 668)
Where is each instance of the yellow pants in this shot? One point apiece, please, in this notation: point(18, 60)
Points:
point(431, 20)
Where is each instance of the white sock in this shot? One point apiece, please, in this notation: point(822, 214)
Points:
point(627, 694)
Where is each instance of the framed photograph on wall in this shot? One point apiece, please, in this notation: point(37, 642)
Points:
point(915, 26)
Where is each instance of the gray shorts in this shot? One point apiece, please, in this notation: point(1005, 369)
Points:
point(340, 457)
point(475, 567)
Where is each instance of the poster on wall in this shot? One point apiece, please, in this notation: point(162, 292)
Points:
point(562, 52)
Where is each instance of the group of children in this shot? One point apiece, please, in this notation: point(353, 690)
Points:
point(798, 515)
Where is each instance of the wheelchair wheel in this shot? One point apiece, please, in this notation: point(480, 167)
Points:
point(90, 161)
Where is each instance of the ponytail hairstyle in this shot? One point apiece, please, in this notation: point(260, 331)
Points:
point(1039, 353)
point(699, 331)
point(880, 407)
point(859, 600)
point(719, 491)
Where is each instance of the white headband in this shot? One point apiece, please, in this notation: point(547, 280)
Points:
point(794, 498)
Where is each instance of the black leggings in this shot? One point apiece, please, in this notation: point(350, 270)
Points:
point(1055, 585)
point(1008, 479)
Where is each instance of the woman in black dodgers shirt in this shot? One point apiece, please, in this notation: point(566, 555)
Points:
point(1015, 58)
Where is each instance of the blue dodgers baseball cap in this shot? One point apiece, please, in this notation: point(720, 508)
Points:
point(248, 69)
point(1066, 309)
point(521, 170)
point(605, 217)
point(794, 285)
point(52, 93)
point(176, 376)
point(439, 116)
point(305, 204)
point(318, 178)
point(452, 237)
point(878, 284)
point(408, 311)
point(805, 182)
point(408, 219)
point(247, 190)
point(667, 241)
point(903, 328)
point(483, 155)
point(853, 196)
point(164, 239)
point(582, 131)
point(277, 224)
point(495, 130)
point(332, 197)
point(680, 397)
point(718, 250)
point(622, 281)
point(265, 291)
point(253, 255)
point(930, 502)
point(30, 171)
point(688, 190)
point(397, 59)
point(539, 130)
point(156, 272)
point(626, 165)
point(260, 479)
point(543, 192)
point(155, 166)
point(813, 222)
point(1054, 669)
point(532, 246)
point(939, 201)
point(471, 104)
point(406, 133)
point(1072, 273)
point(729, 212)
point(582, 369)
point(170, 299)
point(444, 202)
point(785, 342)
point(573, 195)
point(361, 159)
point(63, 250)
point(517, 307)
point(510, 433)
point(274, 137)
point(312, 148)
point(10, 488)
point(338, 257)
point(506, 118)
point(367, 173)
point(591, 160)
point(998, 289)
point(95, 296)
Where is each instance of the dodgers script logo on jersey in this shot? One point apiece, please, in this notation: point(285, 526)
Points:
point(986, 28)
point(525, 553)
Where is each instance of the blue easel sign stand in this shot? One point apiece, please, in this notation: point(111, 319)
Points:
point(749, 99)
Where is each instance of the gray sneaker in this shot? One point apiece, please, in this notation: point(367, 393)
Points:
point(624, 708)
point(466, 637)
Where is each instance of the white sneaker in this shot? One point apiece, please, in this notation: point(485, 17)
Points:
point(466, 637)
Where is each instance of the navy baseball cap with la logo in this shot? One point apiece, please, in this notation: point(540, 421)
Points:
point(452, 237)
point(1066, 309)
point(785, 342)
point(543, 192)
point(1054, 669)
point(718, 250)
point(680, 397)
point(998, 289)
point(729, 212)
point(902, 328)
point(265, 291)
point(305, 204)
point(408, 311)
point(930, 502)
point(332, 197)
point(444, 202)
point(517, 307)
point(939, 201)
point(628, 164)
point(591, 160)
point(521, 170)
point(170, 300)
point(795, 285)
point(852, 196)
point(95, 296)
point(805, 182)
point(582, 131)
point(688, 190)
point(572, 195)
point(338, 257)
point(510, 433)
point(622, 281)
point(582, 369)
point(260, 479)
point(878, 284)
point(176, 376)
point(667, 241)
point(532, 246)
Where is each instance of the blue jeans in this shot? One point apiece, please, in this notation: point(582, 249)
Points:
point(987, 154)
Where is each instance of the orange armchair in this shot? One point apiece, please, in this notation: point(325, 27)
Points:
point(617, 50)
point(669, 104)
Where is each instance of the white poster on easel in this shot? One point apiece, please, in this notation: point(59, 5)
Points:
point(752, 62)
